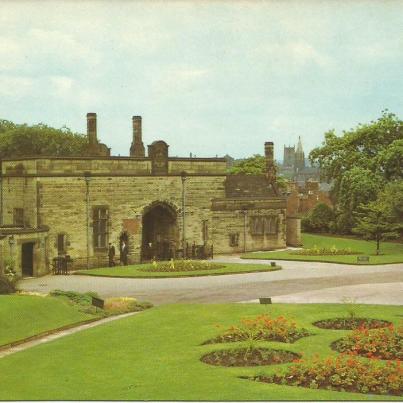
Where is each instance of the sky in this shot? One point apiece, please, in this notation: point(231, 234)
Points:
point(211, 77)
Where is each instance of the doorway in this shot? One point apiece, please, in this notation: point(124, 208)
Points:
point(27, 259)
point(160, 232)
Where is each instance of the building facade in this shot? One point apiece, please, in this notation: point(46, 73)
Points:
point(156, 204)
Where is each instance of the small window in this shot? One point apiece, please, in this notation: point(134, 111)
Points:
point(100, 227)
point(234, 239)
point(205, 232)
point(19, 216)
point(61, 244)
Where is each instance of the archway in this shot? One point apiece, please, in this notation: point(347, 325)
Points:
point(160, 232)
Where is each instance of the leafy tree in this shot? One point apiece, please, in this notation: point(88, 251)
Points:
point(319, 219)
point(22, 140)
point(359, 164)
point(374, 222)
point(390, 160)
point(255, 165)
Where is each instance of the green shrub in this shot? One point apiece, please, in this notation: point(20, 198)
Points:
point(75, 297)
point(7, 286)
point(320, 219)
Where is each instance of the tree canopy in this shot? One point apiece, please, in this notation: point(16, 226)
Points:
point(360, 164)
point(18, 140)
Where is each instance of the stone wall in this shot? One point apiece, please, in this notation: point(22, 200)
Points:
point(294, 231)
point(14, 251)
point(109, 166)
point(63, 208)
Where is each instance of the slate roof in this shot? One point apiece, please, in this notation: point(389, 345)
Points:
point(238, 186)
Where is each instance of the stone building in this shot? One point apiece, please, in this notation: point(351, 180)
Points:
point(156, 204)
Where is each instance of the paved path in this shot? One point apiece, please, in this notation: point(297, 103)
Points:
point(59, 334)
point(296, 277)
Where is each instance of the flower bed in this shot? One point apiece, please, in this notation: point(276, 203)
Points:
point(182, 265)
point(248, 357)
point(262, 328)
point(315, 251)
point(347, 374)
point(351, 323)
point(385, 343)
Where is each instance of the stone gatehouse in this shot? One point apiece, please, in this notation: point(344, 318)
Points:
point(157, 204)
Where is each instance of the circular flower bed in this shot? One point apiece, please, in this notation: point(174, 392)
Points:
point(262, 327)
point(351, 323)
point(385, 343)
point(182, 265)
point(346, 374)
point(248, 357)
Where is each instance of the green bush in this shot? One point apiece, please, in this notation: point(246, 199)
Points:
point(320, 219)
point(7, 286)
point(75, 297)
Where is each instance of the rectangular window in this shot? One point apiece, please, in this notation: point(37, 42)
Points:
point(263, 225)
point(234, 239)
point(61, 244)
point(19, 216)
point(100, 227)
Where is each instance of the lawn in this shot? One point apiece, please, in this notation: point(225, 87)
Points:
point(136, 271)
point(390, 252)
point(23, 316)
point(156, 356)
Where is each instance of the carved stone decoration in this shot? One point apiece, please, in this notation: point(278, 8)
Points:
point(158, 152)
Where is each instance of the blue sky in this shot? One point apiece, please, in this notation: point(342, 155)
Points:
point(208, 77)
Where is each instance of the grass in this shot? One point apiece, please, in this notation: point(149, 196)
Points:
point(156, 356)
point(23, 316)
point(135, 271)
point(390, 252)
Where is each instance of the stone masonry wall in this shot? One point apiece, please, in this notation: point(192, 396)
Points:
point(63, 207)
point(228, 222)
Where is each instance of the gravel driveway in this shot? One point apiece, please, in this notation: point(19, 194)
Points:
point(309, 280)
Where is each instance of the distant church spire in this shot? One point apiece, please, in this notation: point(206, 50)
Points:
point(299, 156)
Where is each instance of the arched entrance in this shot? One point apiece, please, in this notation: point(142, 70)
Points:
point(160, 232)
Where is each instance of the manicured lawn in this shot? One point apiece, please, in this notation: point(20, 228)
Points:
point(391, 252)
point(155, 355)
point(23, 316)
point(135, 271)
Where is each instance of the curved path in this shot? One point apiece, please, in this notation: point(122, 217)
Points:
point(306, 279)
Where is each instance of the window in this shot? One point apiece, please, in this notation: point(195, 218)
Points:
point(205, 232)
point(19, 216)
point(234, 239)
point(263, 225)
point(100, 227)
point(61, 244)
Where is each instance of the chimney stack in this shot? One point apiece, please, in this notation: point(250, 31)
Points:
point(92, 128)
point(137, 148)
point(269, 155)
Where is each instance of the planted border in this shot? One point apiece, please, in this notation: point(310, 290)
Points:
point(351, 323)
point(263, 327)
point(248, 357)
point(343, 374)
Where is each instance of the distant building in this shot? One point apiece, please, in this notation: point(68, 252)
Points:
point(295, 166)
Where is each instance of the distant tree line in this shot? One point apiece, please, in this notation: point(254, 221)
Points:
point(22, 140)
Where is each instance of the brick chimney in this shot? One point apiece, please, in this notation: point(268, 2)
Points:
point(92, 129)
point(269, 155)
point(137, 148)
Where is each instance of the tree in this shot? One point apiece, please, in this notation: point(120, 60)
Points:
point(374, 222)
point(359, 164)
point(22, 140)
point(255, 165)
point(319, 219)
